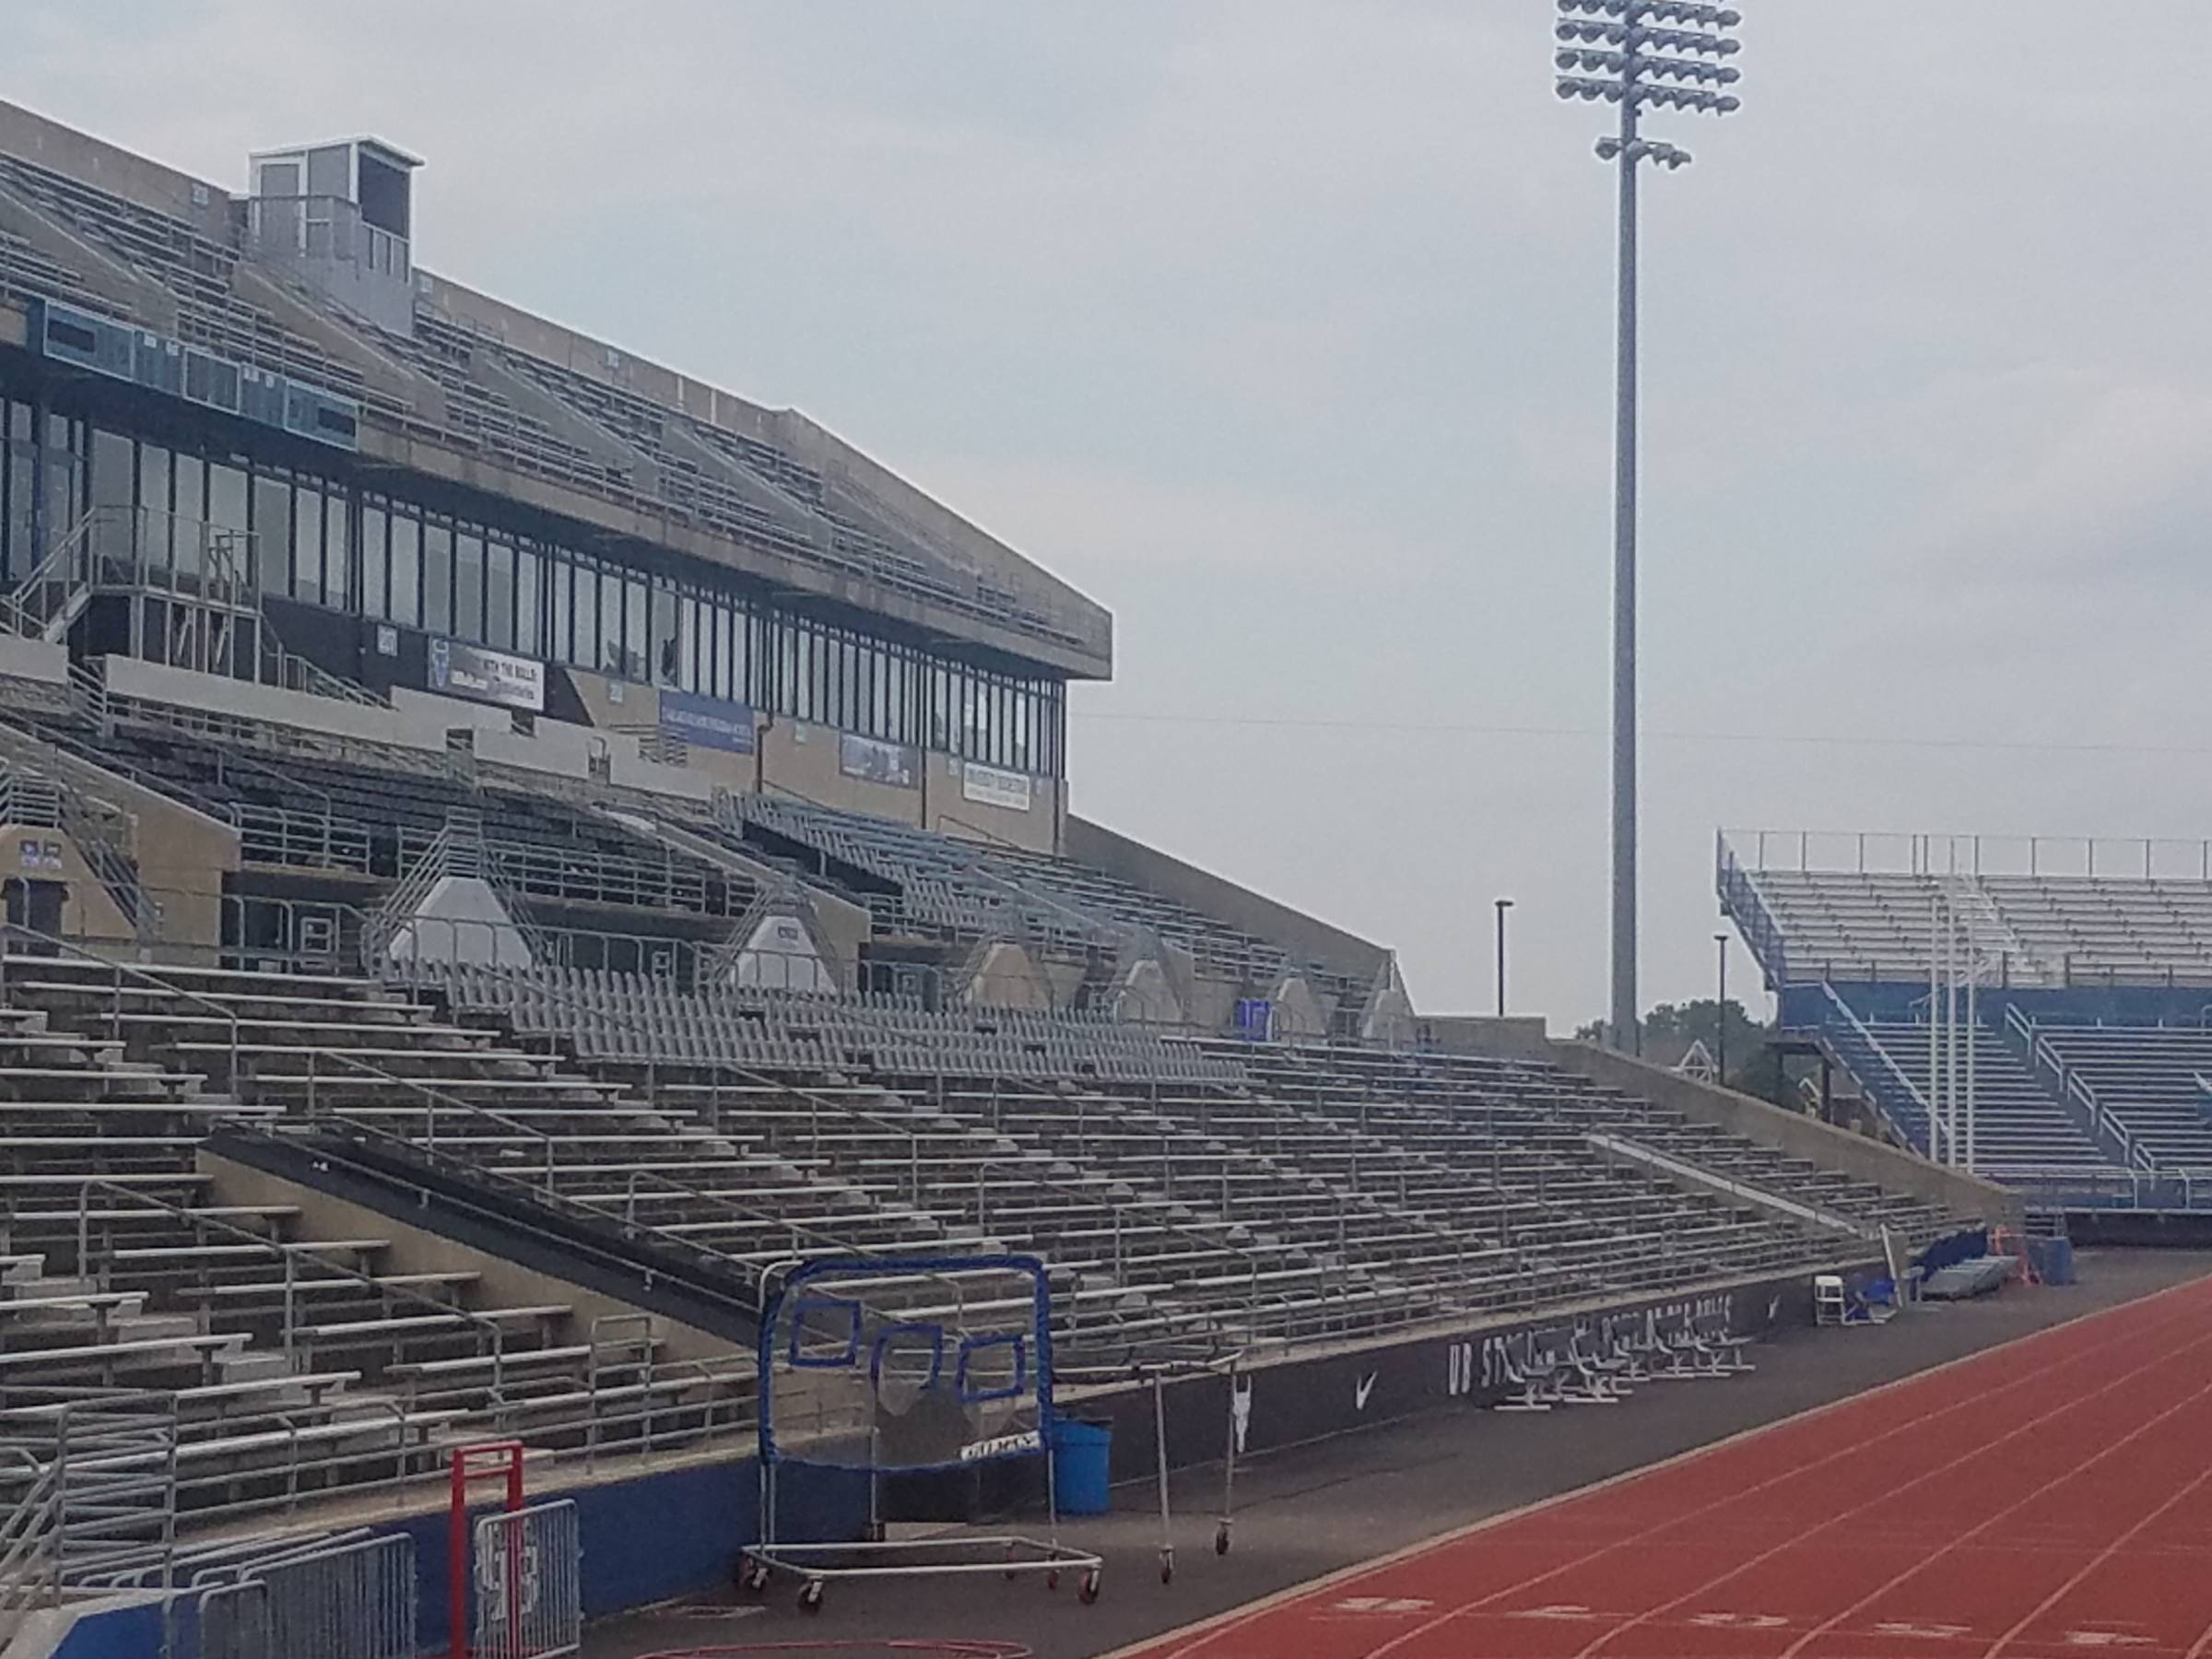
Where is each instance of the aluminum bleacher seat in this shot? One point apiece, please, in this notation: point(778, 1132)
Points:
point(297, 1361)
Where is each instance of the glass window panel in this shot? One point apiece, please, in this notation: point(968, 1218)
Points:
point(588, 632)
point(338, 551)
point(687, 644)
point(529, 613)
point(610, 622)
point(226, 496)
point(376, 561)
point(560, 648)
point(498, 594)
point(637, 659)
point(307, 544)
point(468, 582)
point(227, 526)
point(19, 556)
point(660, 647)
point(437, 576)
point(407, 570)
point(62, 507)
point(189, 499)
point(155, 518)
point(272, 530)
point(114, 483)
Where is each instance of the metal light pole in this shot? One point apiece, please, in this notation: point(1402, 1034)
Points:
point(1634, 53)
point(1503, 905)
point(1720, 1018)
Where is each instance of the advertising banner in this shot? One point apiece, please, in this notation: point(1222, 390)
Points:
point(494, 677)
point(709, 722)
point(874, 761)
point(988, 786)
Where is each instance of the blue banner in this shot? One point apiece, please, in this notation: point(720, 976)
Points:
point(709, 721)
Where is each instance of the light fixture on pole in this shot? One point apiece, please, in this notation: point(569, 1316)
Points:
point(1720, 1013)
point(1636, 54)
point(1503, 905)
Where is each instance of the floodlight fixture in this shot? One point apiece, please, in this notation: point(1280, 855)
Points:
point(1637, 55)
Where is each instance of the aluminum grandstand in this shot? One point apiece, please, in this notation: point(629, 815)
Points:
point(515, 847)
point(2091, 968)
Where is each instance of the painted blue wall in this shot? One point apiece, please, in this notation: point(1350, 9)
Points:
point(644, 1540)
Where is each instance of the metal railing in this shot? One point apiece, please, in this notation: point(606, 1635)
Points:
point(352, 1601)
point(529, 1583)
point(1857, 1028)
point(491, 1334)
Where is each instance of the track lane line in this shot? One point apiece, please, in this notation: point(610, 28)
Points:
point(1888, 1494)
point(1984, 1525)
point(2147, 1314)
point(2125, 1380)
point(2194, 1484)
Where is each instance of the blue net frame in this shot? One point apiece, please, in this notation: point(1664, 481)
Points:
point(999, 1368)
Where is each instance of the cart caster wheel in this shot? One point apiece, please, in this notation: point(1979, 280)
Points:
point(1087, 1591)
point(1167, 1566)
point(1052, 1579)
point(875, 1532)
point(1009, 1563)
point(752, 1579)
point(1221, 1539)
point(810, 1597)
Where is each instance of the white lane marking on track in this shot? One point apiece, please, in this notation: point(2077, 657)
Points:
point(2104, 1638)
point(1568, 1610)
point(1381, 1604)
point(1739, 1621)
point(2056, 1482)
point(1933, 1632)
point(1193, 1637)
point(1442, 1619)
point(2094, 1561)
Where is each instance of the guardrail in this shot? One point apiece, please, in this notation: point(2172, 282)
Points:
point(1883, 1058)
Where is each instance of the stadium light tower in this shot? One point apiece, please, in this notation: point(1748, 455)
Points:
point(1636, 54)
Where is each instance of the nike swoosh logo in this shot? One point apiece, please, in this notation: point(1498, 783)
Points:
point(1360, 1389)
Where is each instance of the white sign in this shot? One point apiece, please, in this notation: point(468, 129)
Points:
point(1003, 1445)
point(459, 669)
point(990, 787)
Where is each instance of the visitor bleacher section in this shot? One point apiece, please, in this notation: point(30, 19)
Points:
point(2093, 995)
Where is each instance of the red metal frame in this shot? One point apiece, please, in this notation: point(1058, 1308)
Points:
point(509, 1464)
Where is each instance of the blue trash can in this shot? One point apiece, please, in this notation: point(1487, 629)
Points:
point(1082, 1455)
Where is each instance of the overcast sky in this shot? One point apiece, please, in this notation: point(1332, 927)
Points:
point(1283, 328)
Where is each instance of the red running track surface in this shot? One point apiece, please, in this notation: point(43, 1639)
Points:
point(2051, 1498)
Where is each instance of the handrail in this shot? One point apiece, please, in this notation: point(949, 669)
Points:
point(436, 1098)
point(817, 1101)
point(72, 543)
point(291, 1255)
point(120, 969)
point(1874, 1044)
point(2075, 1088)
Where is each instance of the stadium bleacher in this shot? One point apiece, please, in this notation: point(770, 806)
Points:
point(226, 1150)
point(294, 1362)
point(2091, 992)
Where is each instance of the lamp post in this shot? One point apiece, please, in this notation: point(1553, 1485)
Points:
point(1636, 54)
point(1720, 1013)
point(1502, 906)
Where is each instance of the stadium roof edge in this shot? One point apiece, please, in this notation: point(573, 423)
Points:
point(950, 533)
point(1077, 642)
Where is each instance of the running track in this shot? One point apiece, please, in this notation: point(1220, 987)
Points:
point(2051, 1498)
